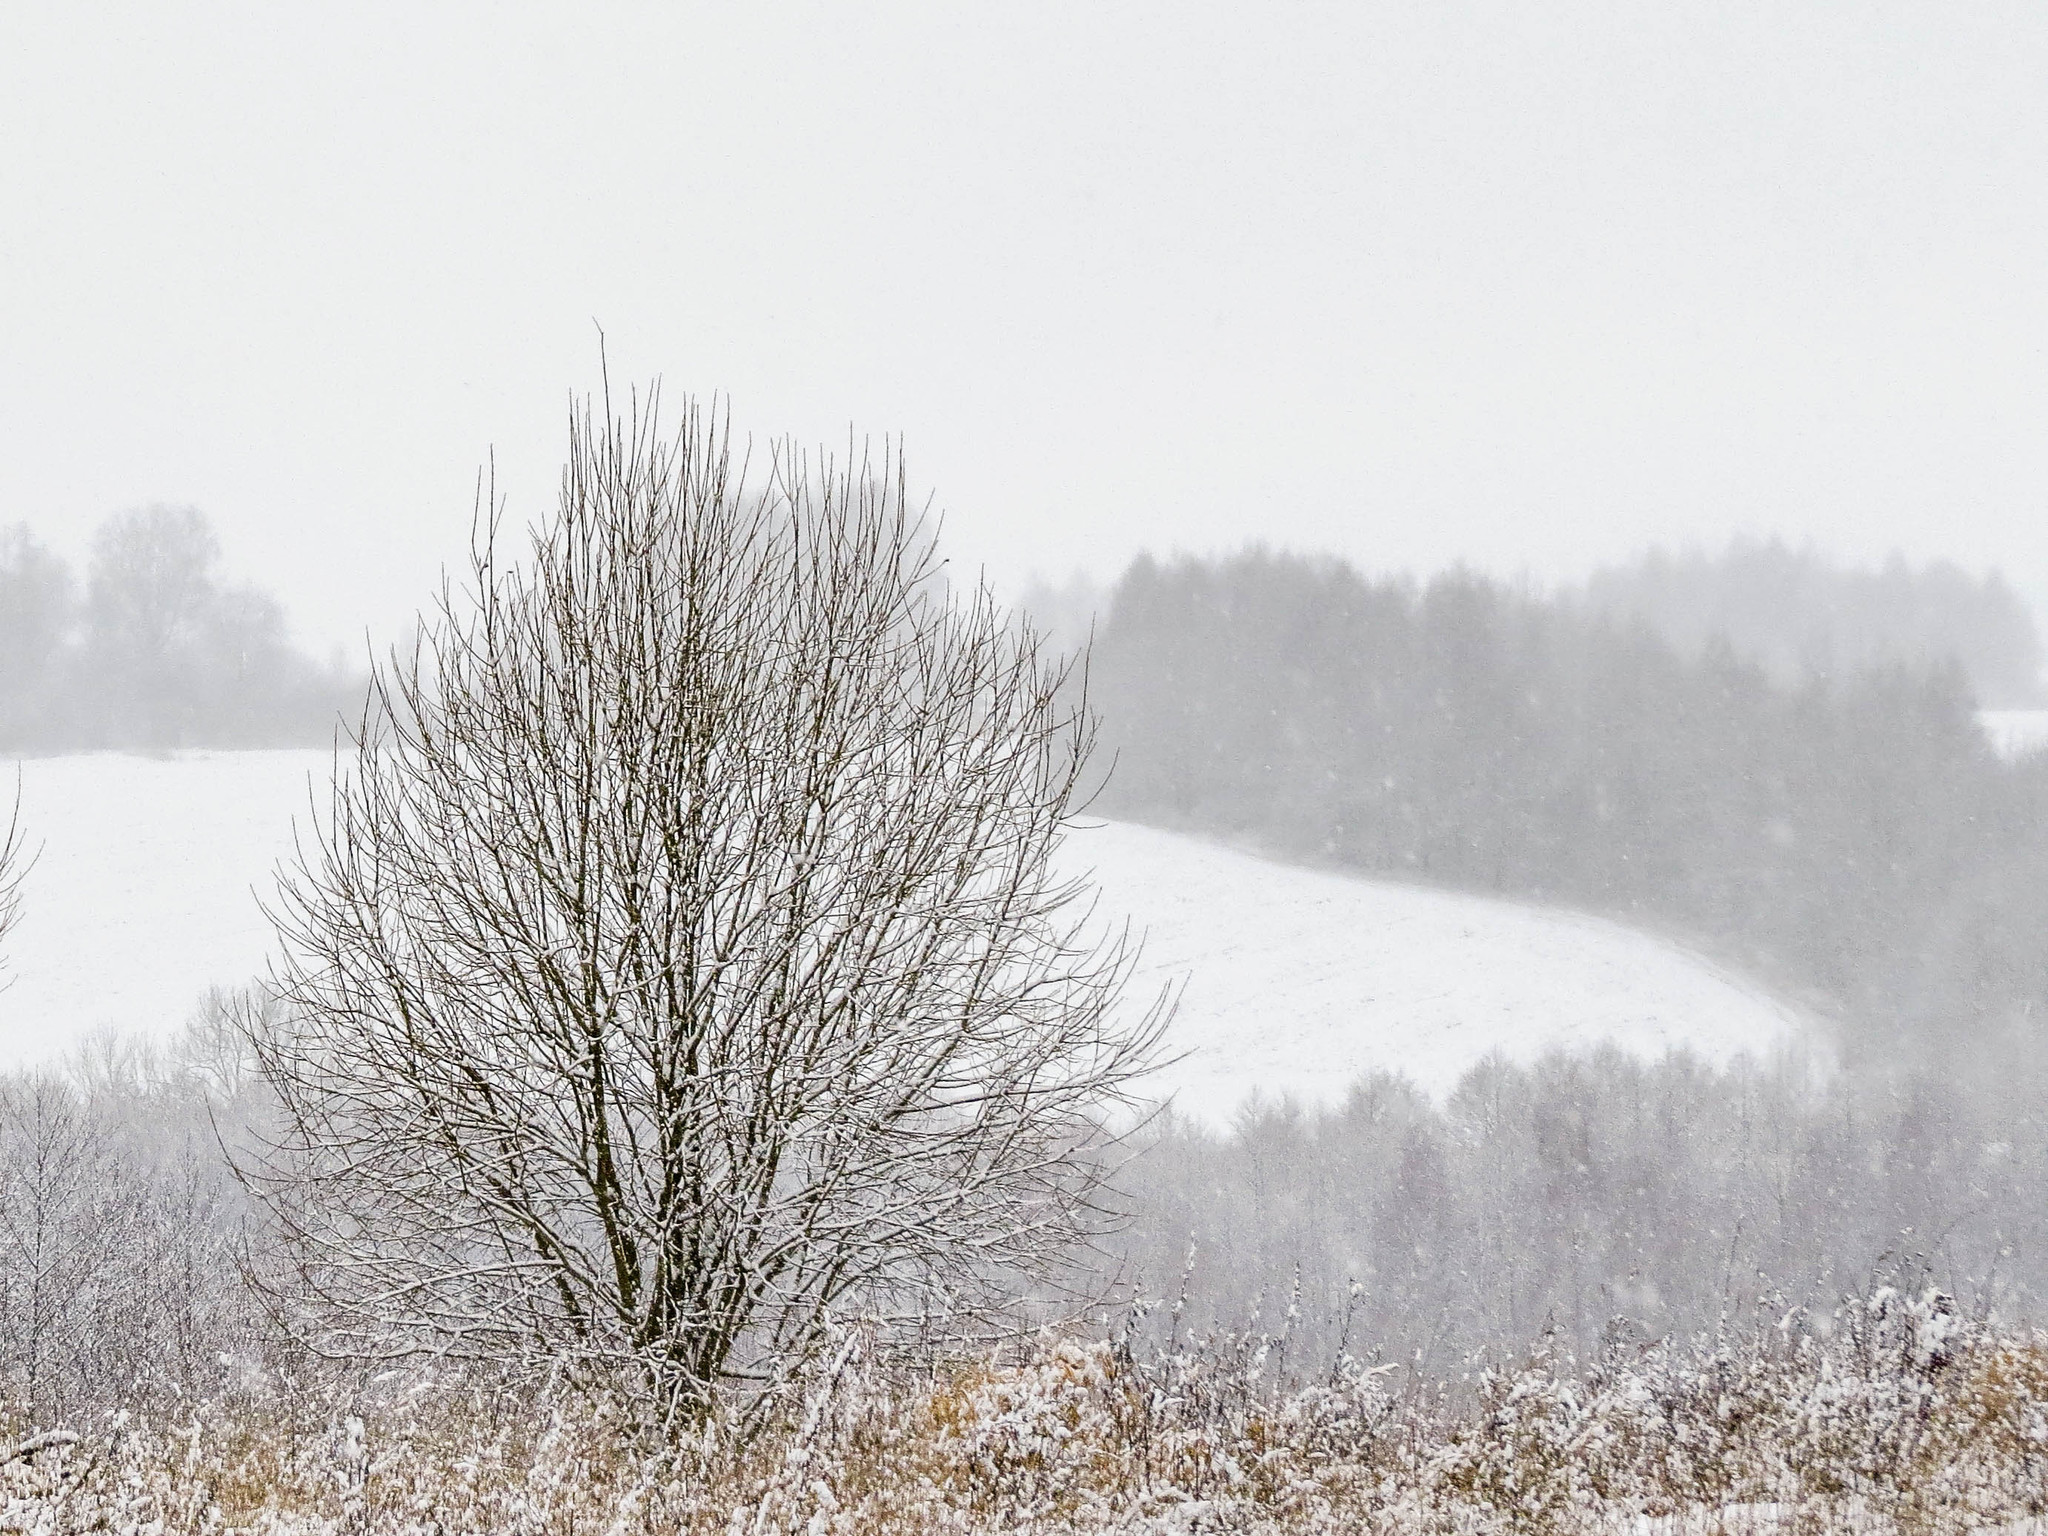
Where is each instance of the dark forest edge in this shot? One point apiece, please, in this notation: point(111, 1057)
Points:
point(151, 651)
point(1849, 836)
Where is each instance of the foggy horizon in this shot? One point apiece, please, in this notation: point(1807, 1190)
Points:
point(1413, 286)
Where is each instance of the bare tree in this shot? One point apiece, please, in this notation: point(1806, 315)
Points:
point(57, 1187)
point(678, 964)
point(149, 593)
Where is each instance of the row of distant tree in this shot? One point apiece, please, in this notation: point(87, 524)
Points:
point(1605, 1199)
point(123, 1233)
point(1849, 833)
point(1799, 615)
point(151, 649)
point(1793, 612)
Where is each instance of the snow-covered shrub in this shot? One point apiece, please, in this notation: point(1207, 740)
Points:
point(121, 1239)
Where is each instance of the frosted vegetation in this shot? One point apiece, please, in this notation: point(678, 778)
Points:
point(1582, 1199)
point(278, 1273)
point(1893, 1409)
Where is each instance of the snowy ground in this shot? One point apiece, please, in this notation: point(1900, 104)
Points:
point(1295, 981)
point(144, 893)
point(1299, 982)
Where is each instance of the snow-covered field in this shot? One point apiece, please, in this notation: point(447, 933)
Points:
point(145, 890)
point(1296, 981)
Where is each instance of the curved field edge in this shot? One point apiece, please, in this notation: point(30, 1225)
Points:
point(1295, 981)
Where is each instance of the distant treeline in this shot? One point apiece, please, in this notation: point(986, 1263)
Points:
point(151, 651)
point(1600, 1199)
point(1799, 615)
point(1851, 835)
point(1603, 1198)
point(1579, 1289)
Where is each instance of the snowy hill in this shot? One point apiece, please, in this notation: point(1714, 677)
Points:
point(1296, 981)
point(1299, 982)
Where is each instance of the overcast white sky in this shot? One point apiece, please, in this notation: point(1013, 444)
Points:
point(1533, 285)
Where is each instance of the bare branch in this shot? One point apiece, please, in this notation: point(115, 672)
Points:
point(679, 962)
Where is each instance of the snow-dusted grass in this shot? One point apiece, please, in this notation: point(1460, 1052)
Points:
point(1297, 981)
point(1893, 1415)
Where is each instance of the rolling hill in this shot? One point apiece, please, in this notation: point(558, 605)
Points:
point(1293, 981)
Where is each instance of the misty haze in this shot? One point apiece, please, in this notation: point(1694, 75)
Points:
point(1202, 772)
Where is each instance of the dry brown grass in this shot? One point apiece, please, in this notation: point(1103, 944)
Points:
point(1895, 1418)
